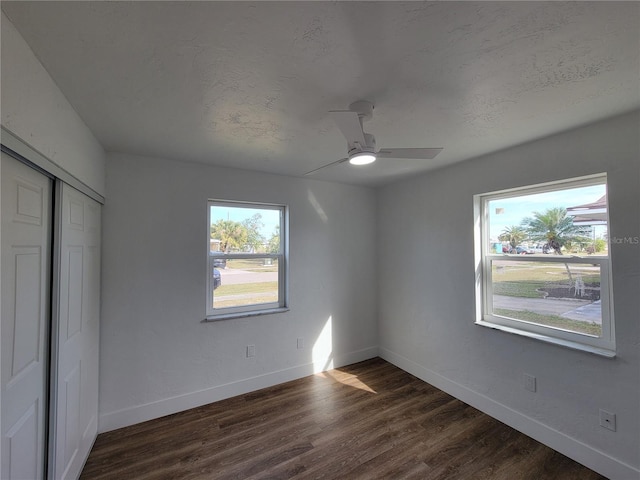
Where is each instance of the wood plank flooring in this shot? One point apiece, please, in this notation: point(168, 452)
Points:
point(366, 421)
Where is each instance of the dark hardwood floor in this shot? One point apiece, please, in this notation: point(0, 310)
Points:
point(367, 421)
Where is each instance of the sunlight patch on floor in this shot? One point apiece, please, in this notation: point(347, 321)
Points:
point(347, 379)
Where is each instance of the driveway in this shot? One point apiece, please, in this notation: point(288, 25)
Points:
point(592, 312)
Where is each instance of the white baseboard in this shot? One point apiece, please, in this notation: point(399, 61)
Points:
point(167, 406)
point(349, 358)
point(572, 448)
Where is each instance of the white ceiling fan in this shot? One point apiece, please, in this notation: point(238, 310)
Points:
point(361, 145)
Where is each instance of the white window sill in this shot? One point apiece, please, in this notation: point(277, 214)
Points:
point(545, 338)
point(255, 313)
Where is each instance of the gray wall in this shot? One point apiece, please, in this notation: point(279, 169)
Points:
point(35, 110)
point(427, 303)
point(156, 355)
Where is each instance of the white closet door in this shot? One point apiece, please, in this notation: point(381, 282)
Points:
point(25, 252)
point(76, 333)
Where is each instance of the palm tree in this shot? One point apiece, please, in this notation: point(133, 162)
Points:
point(553, 227)
point(232, 235)
point(514, 235)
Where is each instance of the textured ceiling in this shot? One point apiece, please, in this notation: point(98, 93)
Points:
point(248, 85)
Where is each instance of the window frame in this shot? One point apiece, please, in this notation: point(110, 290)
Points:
point(213, 314)
point(603, 345)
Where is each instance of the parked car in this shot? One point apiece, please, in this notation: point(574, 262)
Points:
point(537, 249)
point(218, 260)
point(528, 249)
point(217, 278)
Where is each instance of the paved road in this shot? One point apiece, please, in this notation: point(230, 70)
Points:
point(232, 276)
point(581, 310)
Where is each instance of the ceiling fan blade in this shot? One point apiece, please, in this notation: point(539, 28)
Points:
point(419, 153)
point(342, 160)
point(349, 124)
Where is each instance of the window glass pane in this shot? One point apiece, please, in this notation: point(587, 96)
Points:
point(245, 282)
point(554, 294)
point(244, 229)
point(567, 221)
point(247, 258)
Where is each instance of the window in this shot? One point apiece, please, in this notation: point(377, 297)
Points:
point(542, 257)
point(247, 256)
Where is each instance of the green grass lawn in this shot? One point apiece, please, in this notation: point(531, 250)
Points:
point(252, 265)
point(519, 289)
point(551, 321)
point(245, 294)
point(509, 271)
point(237, 302)
point(520, 280)
point(245, 288)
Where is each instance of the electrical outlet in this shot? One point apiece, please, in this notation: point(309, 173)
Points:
point(251, 351)
point(529, 382)
point(608, 420)
point(300, 343)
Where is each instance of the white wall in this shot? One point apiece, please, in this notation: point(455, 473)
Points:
point(426, 320)
point(35, 110)
point(156, 355)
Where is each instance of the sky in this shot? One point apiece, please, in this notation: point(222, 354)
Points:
point(514, 209)
point(270, 218)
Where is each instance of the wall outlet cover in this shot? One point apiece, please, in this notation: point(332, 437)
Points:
point(608, 420)
point(529, 382)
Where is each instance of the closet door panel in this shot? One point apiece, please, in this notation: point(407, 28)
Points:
point(76, 333)
point(24, 302)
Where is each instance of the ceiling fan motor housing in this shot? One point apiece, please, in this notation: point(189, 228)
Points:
point(369, 147)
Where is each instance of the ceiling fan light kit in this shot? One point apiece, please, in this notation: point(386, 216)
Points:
point(361, 146)
point(362, 158)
